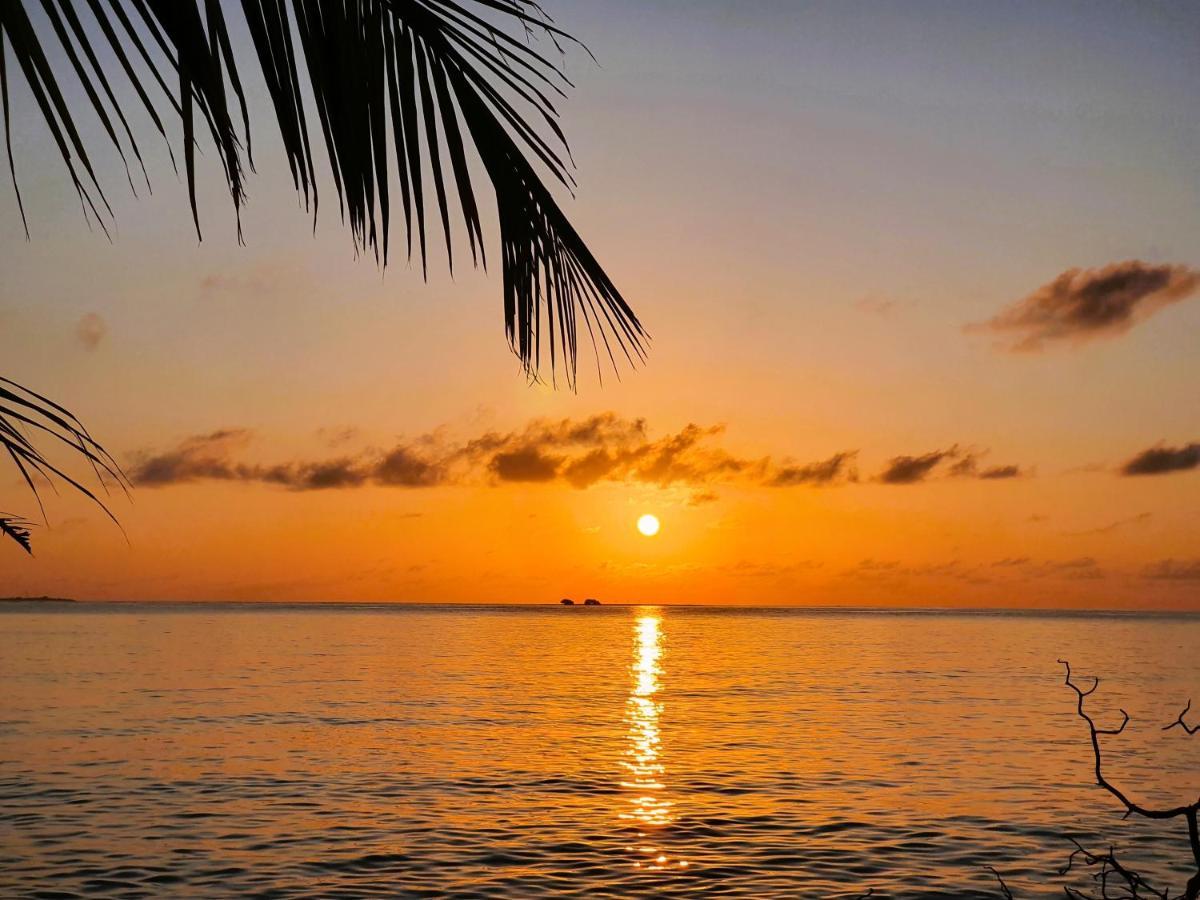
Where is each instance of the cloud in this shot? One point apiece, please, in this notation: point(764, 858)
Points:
point(1160, 460)
point(1086, 304)
point(574, 452)
point(343, 472)
point(1112, 526)
point(913, 469)
point(91, 329)
point(211, 457)
point(337, 437)
point(406, 467)
point(968, 466)
point(1173, 570)
point(998, 473)
point(525, 464)
point(819, 473)
point(1010, 562)
point(202, 457)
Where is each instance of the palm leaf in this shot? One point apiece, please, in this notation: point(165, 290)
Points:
point(435, 78)
point(26, 416)
point(17, 529)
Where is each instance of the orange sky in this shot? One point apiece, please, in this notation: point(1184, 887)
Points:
point(808, 209)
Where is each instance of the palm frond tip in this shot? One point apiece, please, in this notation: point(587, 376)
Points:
point(430, 78)
point(26, 416)
point(16, 528)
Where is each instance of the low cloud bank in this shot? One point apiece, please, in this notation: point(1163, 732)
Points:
point(574, 452)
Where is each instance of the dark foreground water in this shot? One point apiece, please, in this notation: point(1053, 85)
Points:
point(614, 752)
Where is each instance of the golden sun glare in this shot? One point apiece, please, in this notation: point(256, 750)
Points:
point(648, 525)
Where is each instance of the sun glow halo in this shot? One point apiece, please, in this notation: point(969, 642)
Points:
point(648, 525)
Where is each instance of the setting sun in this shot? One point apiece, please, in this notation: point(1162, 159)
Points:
point(648, 525)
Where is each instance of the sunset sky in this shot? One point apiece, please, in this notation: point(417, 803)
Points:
point(923, 288)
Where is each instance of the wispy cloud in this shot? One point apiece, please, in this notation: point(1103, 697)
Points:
point(91, 330)
point(911, 469)
point(828, 471)
point(964, 464)
point(1112, 526)
point(1173, 570)
point(1161, 460)
point(1086, 304)
point(198, 458)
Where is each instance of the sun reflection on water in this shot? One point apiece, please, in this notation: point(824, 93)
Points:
point(647, 808)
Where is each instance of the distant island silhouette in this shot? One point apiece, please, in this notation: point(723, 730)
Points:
point(590, 601)
point(36, 600)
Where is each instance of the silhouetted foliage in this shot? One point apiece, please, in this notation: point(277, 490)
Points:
point(25, 415)
point(426, 76)
point(16, 528)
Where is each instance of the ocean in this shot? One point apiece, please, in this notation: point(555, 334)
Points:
point(425, 751)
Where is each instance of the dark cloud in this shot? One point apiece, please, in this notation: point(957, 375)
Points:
point(313, 476)
point(1160, 460)
point(589, 468)
point(998, 473)
point(829, 471)
point(968, 466)
point(91, 329)
point(1173, 570)
point(1084, 304)
point(579, 453)
point(525, 464)
point(404, 466)
point(608, 447)
point(202, 457)
point(911, 469)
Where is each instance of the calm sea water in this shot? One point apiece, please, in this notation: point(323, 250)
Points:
point(613, 752)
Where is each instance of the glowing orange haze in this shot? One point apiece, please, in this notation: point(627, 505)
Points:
point(805, 218)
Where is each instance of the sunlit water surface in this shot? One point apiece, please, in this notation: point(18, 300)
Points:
point(475, 751)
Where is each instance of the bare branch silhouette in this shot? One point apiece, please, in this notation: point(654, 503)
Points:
point(1004, 891)
point(1110, 874)
point(1180, 723)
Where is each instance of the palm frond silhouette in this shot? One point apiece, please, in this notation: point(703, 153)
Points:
point(401, 89)
point(26, 416)
point(16, 528)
